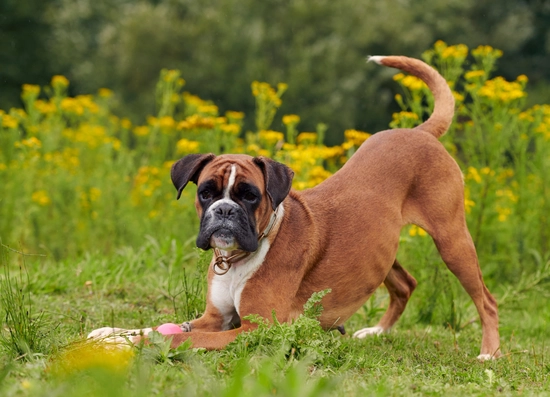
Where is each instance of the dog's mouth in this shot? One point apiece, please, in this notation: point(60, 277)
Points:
point(223, 239)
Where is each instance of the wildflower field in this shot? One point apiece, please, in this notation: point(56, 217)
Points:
point(92, 235)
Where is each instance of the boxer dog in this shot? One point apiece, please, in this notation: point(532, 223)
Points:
point(274, 247)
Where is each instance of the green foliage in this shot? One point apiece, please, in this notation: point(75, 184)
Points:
point(159, 349)
point(286, 359)
point(25, 332)
point(302, 338)
point(221, 45)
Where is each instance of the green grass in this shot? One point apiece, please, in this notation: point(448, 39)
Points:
point(423, 355)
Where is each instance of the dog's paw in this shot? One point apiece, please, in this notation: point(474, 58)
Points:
point(115, 337)
point(363, 333)
point(486, 357)
point(186, 327)
point(105, 332)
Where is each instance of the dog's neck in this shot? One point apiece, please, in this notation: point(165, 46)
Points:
point(223, 261)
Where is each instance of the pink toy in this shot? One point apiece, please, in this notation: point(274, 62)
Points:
point(169, 329)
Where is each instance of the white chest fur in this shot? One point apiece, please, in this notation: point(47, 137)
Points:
point(225, 291)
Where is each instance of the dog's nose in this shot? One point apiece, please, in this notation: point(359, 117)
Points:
point(225, 210)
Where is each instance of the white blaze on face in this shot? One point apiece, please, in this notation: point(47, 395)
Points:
point(230, 182)
point(226, 191)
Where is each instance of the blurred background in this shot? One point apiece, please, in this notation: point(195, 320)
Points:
point(318, 47)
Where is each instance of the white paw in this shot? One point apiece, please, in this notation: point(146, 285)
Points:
point(363, 333)
point(104, 332)
point(485, 357)
point(118, 337)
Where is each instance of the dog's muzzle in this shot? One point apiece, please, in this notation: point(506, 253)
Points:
point(227, 227)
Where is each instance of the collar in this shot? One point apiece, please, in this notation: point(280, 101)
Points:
point(223, 263)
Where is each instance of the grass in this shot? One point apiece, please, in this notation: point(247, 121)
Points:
point(137, 288)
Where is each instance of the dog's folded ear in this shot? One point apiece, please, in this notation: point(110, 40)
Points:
point(188, 169)
point(278, 179)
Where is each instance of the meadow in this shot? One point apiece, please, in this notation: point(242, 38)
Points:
point(92, 235)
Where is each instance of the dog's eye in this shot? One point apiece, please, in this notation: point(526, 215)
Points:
point(249, 196)
point(205, 195)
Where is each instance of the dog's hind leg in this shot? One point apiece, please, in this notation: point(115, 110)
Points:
point(459, 254)
point(400, 285)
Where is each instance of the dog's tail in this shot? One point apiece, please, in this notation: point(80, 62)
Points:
point(444, 104)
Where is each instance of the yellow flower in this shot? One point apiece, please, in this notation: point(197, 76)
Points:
point(31, 90)
point(501, 90)
point(152, 121)
point(440, 45)
point(9, 121)
point(473, 174)
point(522, 78)
point(231, 129)
point(196, 121)
point(291, 119)
point(417, 231)
point(166, 122)
point(105, 93)
point(404, 119)
point(253, 149)
point(126, 123)
point(172, 75)
point(141, 130)
point(355, 137)
point(507, 193)
point(266, 93)
point(45, 107)
point(458, 96)
point(211, 110)
point(41, 198)
point(398, 77)
point(95, 194)
point(468, 204)
point(92, 135)
point(271, 137)
point(307, 138)
point(282, 87)
point(186, 146)
point(526, 116)
point(459, 51)
point(485, 51)
point(232, 115)
point(411, 82)
point(31, 143)
point(503, 213)
point(59, 81)
point(71, 105)
point(474, 74)
point(192, 100)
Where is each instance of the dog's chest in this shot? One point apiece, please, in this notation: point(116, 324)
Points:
point(226, 290)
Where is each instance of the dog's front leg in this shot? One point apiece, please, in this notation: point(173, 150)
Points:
point(212, 321)
point(208, 340)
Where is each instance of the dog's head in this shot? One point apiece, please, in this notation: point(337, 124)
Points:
point(236, 195)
